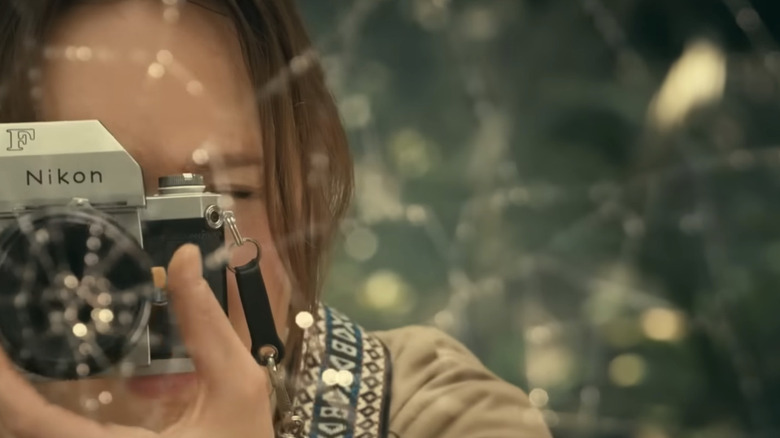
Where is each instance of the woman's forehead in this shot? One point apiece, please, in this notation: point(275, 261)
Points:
point(163, 89)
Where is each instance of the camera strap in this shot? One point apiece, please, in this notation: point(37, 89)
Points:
point(267, 347)
point(257, 310)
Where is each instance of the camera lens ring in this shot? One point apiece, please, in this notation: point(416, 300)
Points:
point(101, 333)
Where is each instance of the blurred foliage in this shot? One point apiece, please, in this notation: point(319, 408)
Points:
point(514, 191)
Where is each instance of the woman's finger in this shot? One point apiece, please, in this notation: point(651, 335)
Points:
point(211, 342)
point(26, 414)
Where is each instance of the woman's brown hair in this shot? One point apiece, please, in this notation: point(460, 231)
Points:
point(307, 165)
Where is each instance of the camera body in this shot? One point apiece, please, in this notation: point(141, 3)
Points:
point(79, 240)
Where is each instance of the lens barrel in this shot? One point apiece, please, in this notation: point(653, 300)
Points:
point(75, 292)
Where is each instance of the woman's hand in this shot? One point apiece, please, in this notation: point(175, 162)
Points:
point(232, 400)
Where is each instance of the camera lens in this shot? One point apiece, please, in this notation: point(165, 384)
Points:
point(74, 292)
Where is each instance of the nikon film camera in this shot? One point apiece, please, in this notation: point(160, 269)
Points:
point(78, 242)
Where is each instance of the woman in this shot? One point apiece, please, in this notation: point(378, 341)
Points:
point(230, 89)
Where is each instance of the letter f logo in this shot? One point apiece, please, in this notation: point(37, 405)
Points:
point(20, 137)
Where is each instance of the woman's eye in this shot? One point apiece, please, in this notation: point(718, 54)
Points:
point(241, 194)
point(237, 192)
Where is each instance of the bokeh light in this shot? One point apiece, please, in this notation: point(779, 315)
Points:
point(582, 192)
point(627, 370)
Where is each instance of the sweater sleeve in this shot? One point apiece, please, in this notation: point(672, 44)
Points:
point(441, 390)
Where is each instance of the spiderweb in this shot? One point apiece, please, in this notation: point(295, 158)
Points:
point(580, 191)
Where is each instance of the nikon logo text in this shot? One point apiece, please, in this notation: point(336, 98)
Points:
point(59, 177)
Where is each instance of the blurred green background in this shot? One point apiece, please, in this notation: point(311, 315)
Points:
point(580, 191)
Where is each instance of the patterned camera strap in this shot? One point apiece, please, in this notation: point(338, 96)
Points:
point(345, 382)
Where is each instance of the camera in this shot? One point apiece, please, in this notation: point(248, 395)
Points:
point(79, 245)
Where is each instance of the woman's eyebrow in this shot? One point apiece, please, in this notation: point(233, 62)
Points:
point(230, 160)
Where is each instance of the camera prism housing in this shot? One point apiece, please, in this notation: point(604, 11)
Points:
point(79, 239)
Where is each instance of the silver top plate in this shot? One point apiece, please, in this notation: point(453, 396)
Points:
point(50, 163)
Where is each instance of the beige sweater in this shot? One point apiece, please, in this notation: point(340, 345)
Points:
point(440, 390)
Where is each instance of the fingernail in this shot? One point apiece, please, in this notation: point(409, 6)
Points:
point(189, 257)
